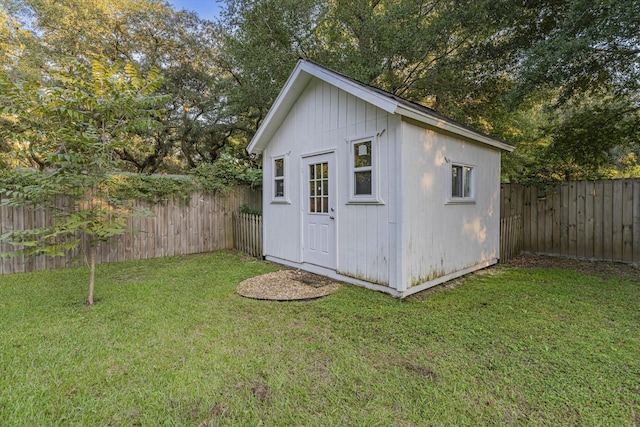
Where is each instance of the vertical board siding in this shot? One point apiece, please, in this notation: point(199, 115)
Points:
point(324, 118)
point(203, 225)
point(596, 220)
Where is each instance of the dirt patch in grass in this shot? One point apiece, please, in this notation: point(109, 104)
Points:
point(258, 389)
point(420, 370)
point(604, 269)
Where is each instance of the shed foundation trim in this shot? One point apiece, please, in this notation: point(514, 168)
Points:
point(394, 292)
point(334, 275)
point(440, 280)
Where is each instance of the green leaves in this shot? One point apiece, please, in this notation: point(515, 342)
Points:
point(73, 120)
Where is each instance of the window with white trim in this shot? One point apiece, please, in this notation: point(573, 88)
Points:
point(279, 180)
point(363, 170)
point(462, 182)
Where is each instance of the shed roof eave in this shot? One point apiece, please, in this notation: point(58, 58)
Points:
point(281, 106)
point(454, 128)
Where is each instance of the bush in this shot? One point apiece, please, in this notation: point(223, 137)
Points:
point(248, 209)
point(227, 172)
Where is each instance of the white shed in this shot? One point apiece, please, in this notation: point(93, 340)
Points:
point(371, 189)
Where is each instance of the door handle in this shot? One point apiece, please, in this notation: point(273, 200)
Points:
point(331, 217)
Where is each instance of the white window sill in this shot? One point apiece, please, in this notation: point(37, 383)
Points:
point(365, 201)
point(280, 202)
point(460, 201)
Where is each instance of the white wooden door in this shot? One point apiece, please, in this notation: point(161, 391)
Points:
point(319, 232)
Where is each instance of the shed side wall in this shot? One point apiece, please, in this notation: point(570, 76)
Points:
point(440, 238)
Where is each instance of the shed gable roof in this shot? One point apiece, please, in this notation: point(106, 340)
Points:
point(305, 70)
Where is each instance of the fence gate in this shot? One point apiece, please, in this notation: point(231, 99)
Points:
point(247, 233)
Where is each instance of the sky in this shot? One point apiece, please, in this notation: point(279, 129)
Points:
point(206, 9)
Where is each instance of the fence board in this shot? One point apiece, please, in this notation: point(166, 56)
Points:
point(627, 221)
point(556, 219)
point(564, 219)
point(581, 190)
point(548, 221)
point(616, 222)
point(526, 217)
point(636, 221)
point(598, 231)
point(541, 201)
point(589, 220)
point(572, 220)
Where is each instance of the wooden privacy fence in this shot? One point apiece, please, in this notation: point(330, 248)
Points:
point(598, 220)
point(510, 237)
point(204, 224)
point(247, 233)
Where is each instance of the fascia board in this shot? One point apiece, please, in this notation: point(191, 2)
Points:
point(384, 103)
point(294, 86)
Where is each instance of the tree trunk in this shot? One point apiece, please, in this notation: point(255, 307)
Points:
point(92, 271)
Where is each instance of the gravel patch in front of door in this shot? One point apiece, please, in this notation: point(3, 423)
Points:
point(287, 285)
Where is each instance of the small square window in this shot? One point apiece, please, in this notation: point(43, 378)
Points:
point(461, 182)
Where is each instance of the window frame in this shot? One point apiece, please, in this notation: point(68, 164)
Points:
point(284, 178)
point(374, 197)
point(469, 199)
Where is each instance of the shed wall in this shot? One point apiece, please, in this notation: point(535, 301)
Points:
point(440, 238)
point(326, 118)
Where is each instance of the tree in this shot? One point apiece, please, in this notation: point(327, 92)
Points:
point(512, 69)
point(450, 55)
point(150, 34)
point(585, 56)
point(74, 119)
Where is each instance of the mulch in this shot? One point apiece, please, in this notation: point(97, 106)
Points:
point(287, 285)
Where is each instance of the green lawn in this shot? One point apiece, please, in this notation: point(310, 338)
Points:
point(169, 342)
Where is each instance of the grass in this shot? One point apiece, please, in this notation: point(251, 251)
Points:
point(169, 342)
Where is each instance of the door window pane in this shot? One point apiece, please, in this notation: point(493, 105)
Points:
point(319, 188)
